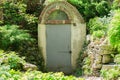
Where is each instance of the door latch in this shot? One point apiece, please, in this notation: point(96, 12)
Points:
point(70, 52)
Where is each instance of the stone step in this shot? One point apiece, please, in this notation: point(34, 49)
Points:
point(109, 66)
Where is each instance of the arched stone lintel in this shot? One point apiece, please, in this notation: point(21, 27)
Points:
point(71, 12)
point(57, 21)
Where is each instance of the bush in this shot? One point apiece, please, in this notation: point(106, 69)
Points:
point(117, 59)
point(99, 26)
point(15, 39)
point(98, 34)
point(116, 4)
point(32, 53)
point(12, 60)
point(16, 15)
point(103, 7)
point(91, 8)
point(26, 15)
point(11, 37)
point(114, 31)
point(111, 74)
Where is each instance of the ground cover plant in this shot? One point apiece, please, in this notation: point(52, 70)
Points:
point(11, 68)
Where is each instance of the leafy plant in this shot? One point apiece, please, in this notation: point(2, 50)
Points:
point(98, 34)
point(16, 62)
point(16, 15)
point(86, 67)
point(11, 37)
point(103, 7)
point(91, 8)
point(11, 59)
point(98, 23)
point(10, 70)
point(114, 31)
point(111, 74)
point(117, 58)
point(32, 54)
point(116, 4)
point(99, 26)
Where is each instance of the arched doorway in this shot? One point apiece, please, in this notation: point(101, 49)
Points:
point(61, 35)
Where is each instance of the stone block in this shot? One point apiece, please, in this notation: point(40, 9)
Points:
point(98, 58)
point(106, 49)
point(97, 66)
point(29, 66)
point(109, 66)
point(106, 58)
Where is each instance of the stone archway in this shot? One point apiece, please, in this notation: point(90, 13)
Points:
point(76, 27)
point(63, 6)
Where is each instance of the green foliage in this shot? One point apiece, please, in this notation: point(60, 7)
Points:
point(32, 54)
point(99, 26)
point(103, 8)
point(117, 58)
point(15, 61)
point(91, 8)
point(114, 31)
point(86, 67)
point(98, 23)
point(116, 4)
point(78, 72)
point(23, 13)
point(11, 37)
point(12, 60)
point(49, 76)
point(35, 75)
point(98, 34)
point(111, 74)
point(10, 70)
point(34, 6)
point(17, 15)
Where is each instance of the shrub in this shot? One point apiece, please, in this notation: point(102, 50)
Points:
point(12, 60)
point(99, 26)
point(98, 34)
point(32, 54)
point(111, 74)
point(103, 7)
point(91, 8)
point(11, 37)
point(117, 58)
point(116, 4)
point(98, 23)
point(114, 31)
point(16, 15)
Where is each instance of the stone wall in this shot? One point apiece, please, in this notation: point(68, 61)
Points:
point(99, 53)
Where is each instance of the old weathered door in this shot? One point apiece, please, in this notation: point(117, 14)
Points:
point(58, 48)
